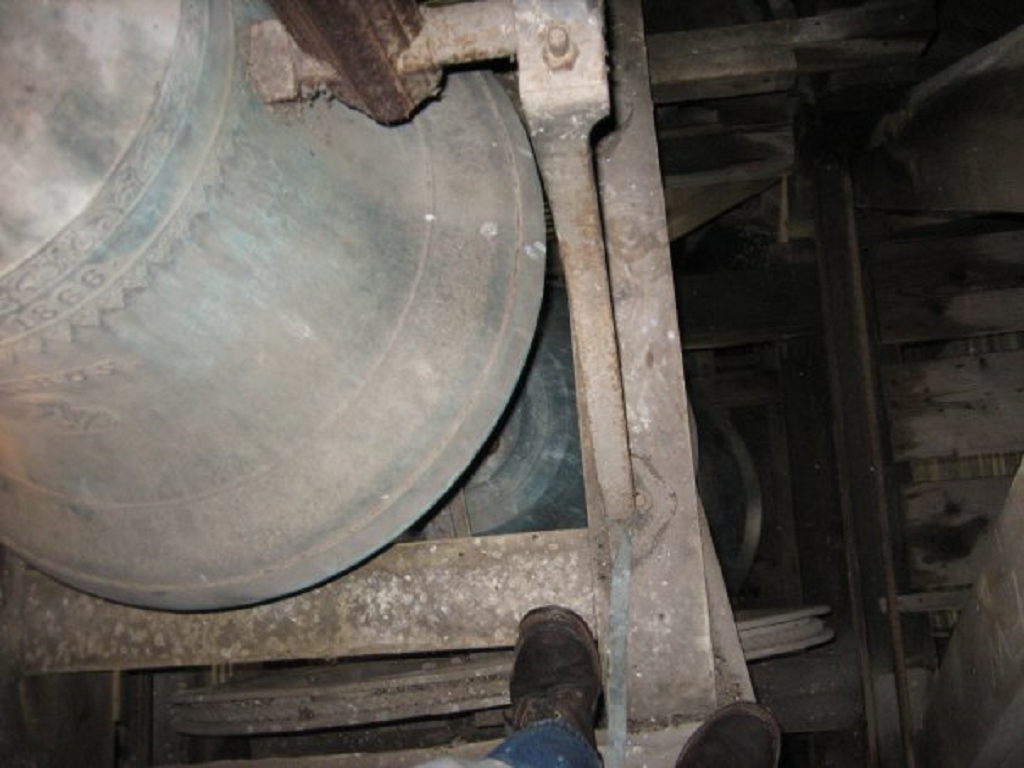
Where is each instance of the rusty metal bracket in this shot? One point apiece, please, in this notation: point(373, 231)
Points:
point(564, 93)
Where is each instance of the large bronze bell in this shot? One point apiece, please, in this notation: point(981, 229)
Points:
point(242, 347)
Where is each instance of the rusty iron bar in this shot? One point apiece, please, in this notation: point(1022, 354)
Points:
point(563, 87)
point(563, 101)
point(461, 33)
point(569, 182)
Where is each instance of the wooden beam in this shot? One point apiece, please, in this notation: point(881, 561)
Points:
point(735, 156)
point(689, 208)
point(413, 598)
point(767, 56)
point(362, 43)
point(671, 659)
point(959, 406)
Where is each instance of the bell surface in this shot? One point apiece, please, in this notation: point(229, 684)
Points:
point(243, 347)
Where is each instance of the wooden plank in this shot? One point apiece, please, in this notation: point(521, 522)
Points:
point(762, 57)
point(721, 309)
point(671, 659)
point(688, 208)
point(977, 705)
point(960, 406)
point(720, 74)
point(875, 19)
point(947, 525)
point(746, 113)
point(947, 288)
point(840, 55)
point(362, 43)
point(763, 169)
point(434, 596)
point(726, 156)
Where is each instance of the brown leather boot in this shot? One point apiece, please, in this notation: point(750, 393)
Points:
point(556, 674)
point(740, 735)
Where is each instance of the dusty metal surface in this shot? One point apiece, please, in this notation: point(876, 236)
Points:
point(349, 693)
point(413, 598)
point(251, 345)
point(362, 42)
point(976, 713)
point(671, 657)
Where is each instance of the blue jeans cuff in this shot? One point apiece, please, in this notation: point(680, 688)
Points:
point(547, 744)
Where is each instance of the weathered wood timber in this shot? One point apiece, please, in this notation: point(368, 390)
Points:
point(434, 596)
point(688, 208)
point(671, 659)
point(948, 288)
point(729, 156)
point(947, 525)
point(767, 56)
point(959, 406)
point(975, 714)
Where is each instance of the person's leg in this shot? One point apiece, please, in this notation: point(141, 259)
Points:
point(740, 734)
point(546, 745)
point(555, 688)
